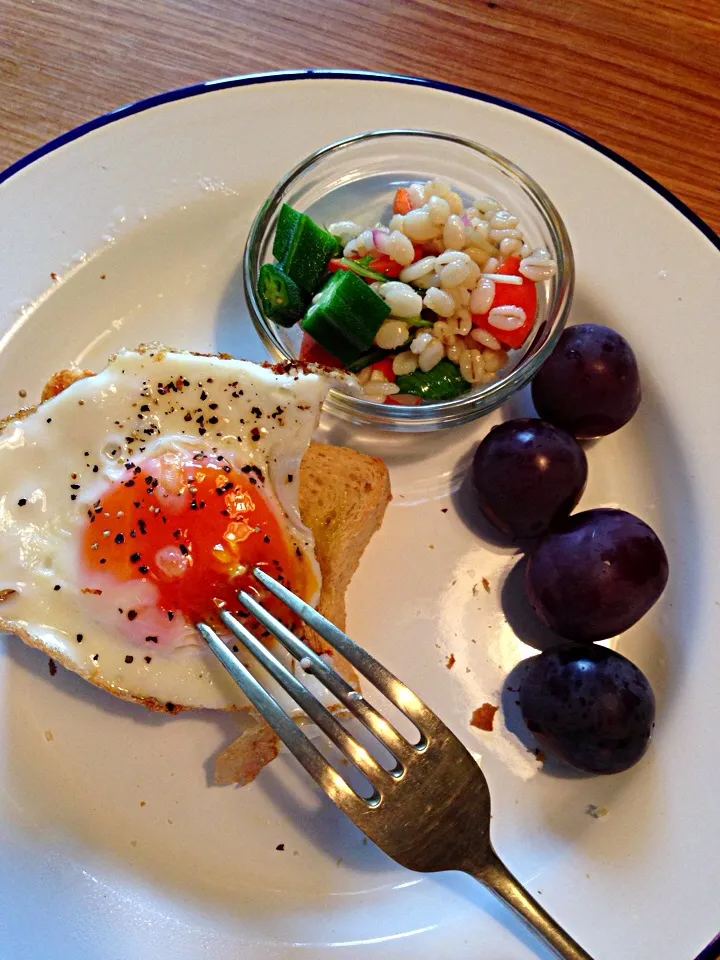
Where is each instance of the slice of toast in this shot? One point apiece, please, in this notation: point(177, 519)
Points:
point(343, 496)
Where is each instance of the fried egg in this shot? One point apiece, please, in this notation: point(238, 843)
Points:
point(136, 503)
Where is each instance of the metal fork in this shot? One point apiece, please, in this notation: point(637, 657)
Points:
point(431, 810)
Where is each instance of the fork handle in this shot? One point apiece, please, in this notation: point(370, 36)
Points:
point(495, 875)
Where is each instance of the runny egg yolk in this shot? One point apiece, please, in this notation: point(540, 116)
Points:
point(195, 527)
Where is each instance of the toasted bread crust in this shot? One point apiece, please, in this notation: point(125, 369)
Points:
point(338, 550)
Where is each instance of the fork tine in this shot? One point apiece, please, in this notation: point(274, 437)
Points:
point(313, 664)
point(388, 684)
point(291, 735)
point(343, 740)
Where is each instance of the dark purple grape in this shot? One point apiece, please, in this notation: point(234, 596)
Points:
point(596, 575)
point(589, 385)
point(589, 706)
point(528, 476)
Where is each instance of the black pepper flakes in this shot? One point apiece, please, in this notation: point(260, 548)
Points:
point(119, 538)
point(148, 659)
point(22, 501)
point(129, 658)
point(79, 638)
point(131, 614)
point(56, 587)
point(144, 569)
point(151, 639)
point(52, 667)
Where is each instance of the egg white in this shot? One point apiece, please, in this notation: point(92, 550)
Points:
point(137, 407)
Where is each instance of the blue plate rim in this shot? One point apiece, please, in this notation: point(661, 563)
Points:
point(312, 73)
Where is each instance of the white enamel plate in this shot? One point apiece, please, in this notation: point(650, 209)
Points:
point(114, 844)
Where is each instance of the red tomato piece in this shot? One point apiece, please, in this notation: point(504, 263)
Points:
point(386, 265)
point(401, 203)
point(385, 366)
point(511, 295)
point(312, 352)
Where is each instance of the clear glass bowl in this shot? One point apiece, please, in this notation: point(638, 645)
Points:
point(356, 179)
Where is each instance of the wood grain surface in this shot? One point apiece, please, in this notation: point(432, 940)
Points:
point(642, 77)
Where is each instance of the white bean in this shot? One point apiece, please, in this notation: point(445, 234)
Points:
point(510, 246)
point(401, 298)
point(463, 322)
point(498, 235)
point(472, 367)
point(345, 230)
point(361, 245)
point(445, 331)
point(485, 338)
point(428, 280)
point(399, 248)
point(420, 268)
point(494, 360)
point(440, 302)
point(439, 210)
point(421, 341)
point(380, 388)
point(482, 296)
point(542, 254)
point(477, 255)
point(416, 192)
point(454, 233)
point(405, 362)
point(418, 225)
point(364, 376)
point(536, 269)
point(456, 204)
point(437, 188)
point(461, 296)
point(486, 204)
point(453, 351)
point(525, 250)
point(453, 274)
point(473, 275)
point(431, 355)
point(392, 334)
point(507, 317)
point(491, 265)
point(447, 256)
point(503, 218)
point(477, 231)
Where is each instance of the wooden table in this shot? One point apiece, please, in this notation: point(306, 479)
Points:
point(642, 77)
